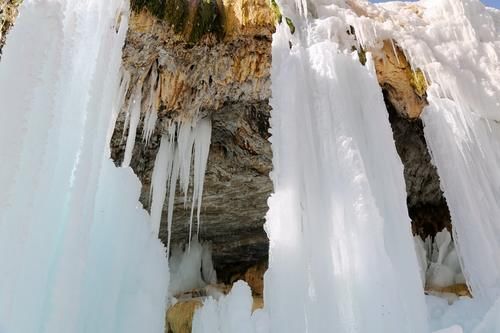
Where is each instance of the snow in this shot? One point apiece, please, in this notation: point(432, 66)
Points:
point(77, 250)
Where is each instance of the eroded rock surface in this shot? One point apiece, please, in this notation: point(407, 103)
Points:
point(8, 14)
point(405, 87)
point(227, 78)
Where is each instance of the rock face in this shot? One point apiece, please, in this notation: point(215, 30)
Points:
point(228, 80)
point(226, 76)
point(8, 14)
point(405, 88)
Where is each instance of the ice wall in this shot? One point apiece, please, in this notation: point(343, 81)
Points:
point(341, 253)
point(76, 249)
point(230, 314)
point(456, 43)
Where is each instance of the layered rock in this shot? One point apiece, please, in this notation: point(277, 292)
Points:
point(8, 14)
point(226, 78)
point(224, 74)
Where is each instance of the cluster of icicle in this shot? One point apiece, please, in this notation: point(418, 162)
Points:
point(184, 145)
point(438, 259)
point(77, 253)
point(341, 255)
point(456, 44)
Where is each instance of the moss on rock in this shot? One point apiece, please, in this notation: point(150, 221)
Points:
point(207, 19)
point(176, 13)
point(194, 20)
point(418, 82)
point(156, 7)
point(290, 24)
point(276, 11)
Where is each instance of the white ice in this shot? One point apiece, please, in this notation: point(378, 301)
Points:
point(175, 164)
point(191, 268)
point(456, 43)
point(76, 250)
point(438, 260)
point(341, 253)
point(230, 314)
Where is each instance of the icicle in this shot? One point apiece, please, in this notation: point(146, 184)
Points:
point(395, 51)
point(76, 250)
point(202, 149)
point(151, 106)
point(135, 114)
point(161, 172)
point(173, 165)
point(185, 140)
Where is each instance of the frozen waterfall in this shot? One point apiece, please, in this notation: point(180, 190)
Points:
point(76, 249)
point(341, 250)
point(78, 253)
point(341, 253)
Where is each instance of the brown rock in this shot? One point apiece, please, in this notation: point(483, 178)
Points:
point(8, 14)
point(180, 315)
point(229, 81)
point(405, 88)
point(254, 277)
point(456, 289)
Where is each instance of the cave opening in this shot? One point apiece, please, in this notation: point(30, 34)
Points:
point(426, 203)
point(427, 208)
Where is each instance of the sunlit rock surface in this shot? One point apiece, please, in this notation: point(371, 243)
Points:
point(228, 78)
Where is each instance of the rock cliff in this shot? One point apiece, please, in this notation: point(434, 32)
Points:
point(223, 72)
point(8, 13)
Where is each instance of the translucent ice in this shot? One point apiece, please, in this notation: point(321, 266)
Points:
point(77, 252)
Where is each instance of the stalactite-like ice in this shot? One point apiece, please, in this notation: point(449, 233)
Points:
point(173, 165)
point(456, 43)
point(77, 253)
point(341, 255)
point(134, 116)
point(191, 267)
point(151, 115)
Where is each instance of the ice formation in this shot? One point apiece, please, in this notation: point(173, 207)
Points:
point(339, 204)
point(230, 314)
point(456, 44)
point(439, 262)
point(76, 247)
point(77, 253)
point(191, 268)
point(173, 164)
point(338, 207)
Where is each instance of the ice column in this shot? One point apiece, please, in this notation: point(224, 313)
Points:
point(76, 249)
point(341, 250)
point(458, 47)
